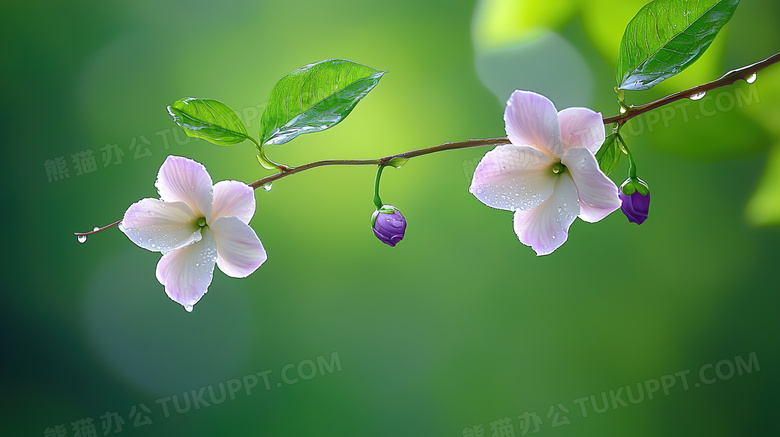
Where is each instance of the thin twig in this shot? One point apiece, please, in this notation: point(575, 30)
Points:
point(95, 231)
point(727, 79)
point(406, 155)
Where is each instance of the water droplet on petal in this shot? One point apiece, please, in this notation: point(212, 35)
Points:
point(82, 239)
point(188, 308)
point(698, 96)
point(268, 186)
point(751, 78)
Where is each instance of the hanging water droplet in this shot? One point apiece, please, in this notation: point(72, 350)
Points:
point(698, 96)
point(188, 308)
point(268, 186)
point(751, 78)
point(82, 239)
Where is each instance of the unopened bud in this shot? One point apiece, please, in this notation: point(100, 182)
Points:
point(635, 205)
point(388, 225)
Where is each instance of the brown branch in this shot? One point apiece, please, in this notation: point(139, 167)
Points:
point(381, 161)
point(727, 79)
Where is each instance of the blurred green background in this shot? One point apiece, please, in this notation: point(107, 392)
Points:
point(458, 327)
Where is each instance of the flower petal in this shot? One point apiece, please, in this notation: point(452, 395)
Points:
point(581, 127)
point(160, 226)
point(598, 194)
point(512, 177)
point(187, 272)
point(184, 180)
point(532, 120)
point(546, 227)
point(239, 250)
point(233, 199)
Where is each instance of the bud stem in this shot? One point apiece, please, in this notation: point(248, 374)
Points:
point(631, 162)
point(378, 200)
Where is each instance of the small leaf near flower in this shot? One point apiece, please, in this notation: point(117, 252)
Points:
point(208, 119)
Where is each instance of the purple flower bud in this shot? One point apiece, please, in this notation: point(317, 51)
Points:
point(388, 225)
point(636, 206)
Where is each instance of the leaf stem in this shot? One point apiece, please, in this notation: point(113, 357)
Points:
point(263, 159)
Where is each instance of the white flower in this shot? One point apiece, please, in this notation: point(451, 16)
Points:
point(195, 225)
point(548, 175)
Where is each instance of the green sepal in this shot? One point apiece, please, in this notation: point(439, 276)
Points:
point(642, 187)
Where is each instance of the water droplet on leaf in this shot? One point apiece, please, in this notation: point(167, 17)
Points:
point(268, 186)
point(698, 96)
point(82, 239)
point(751, 78)
point(95, 229)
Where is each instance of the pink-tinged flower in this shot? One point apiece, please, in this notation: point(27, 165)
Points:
point(195, 225)
point(548, 175)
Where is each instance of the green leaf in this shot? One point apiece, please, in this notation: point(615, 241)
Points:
point(608, 155)
point(665, 37)
point(314, 98)
point(208, 119)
